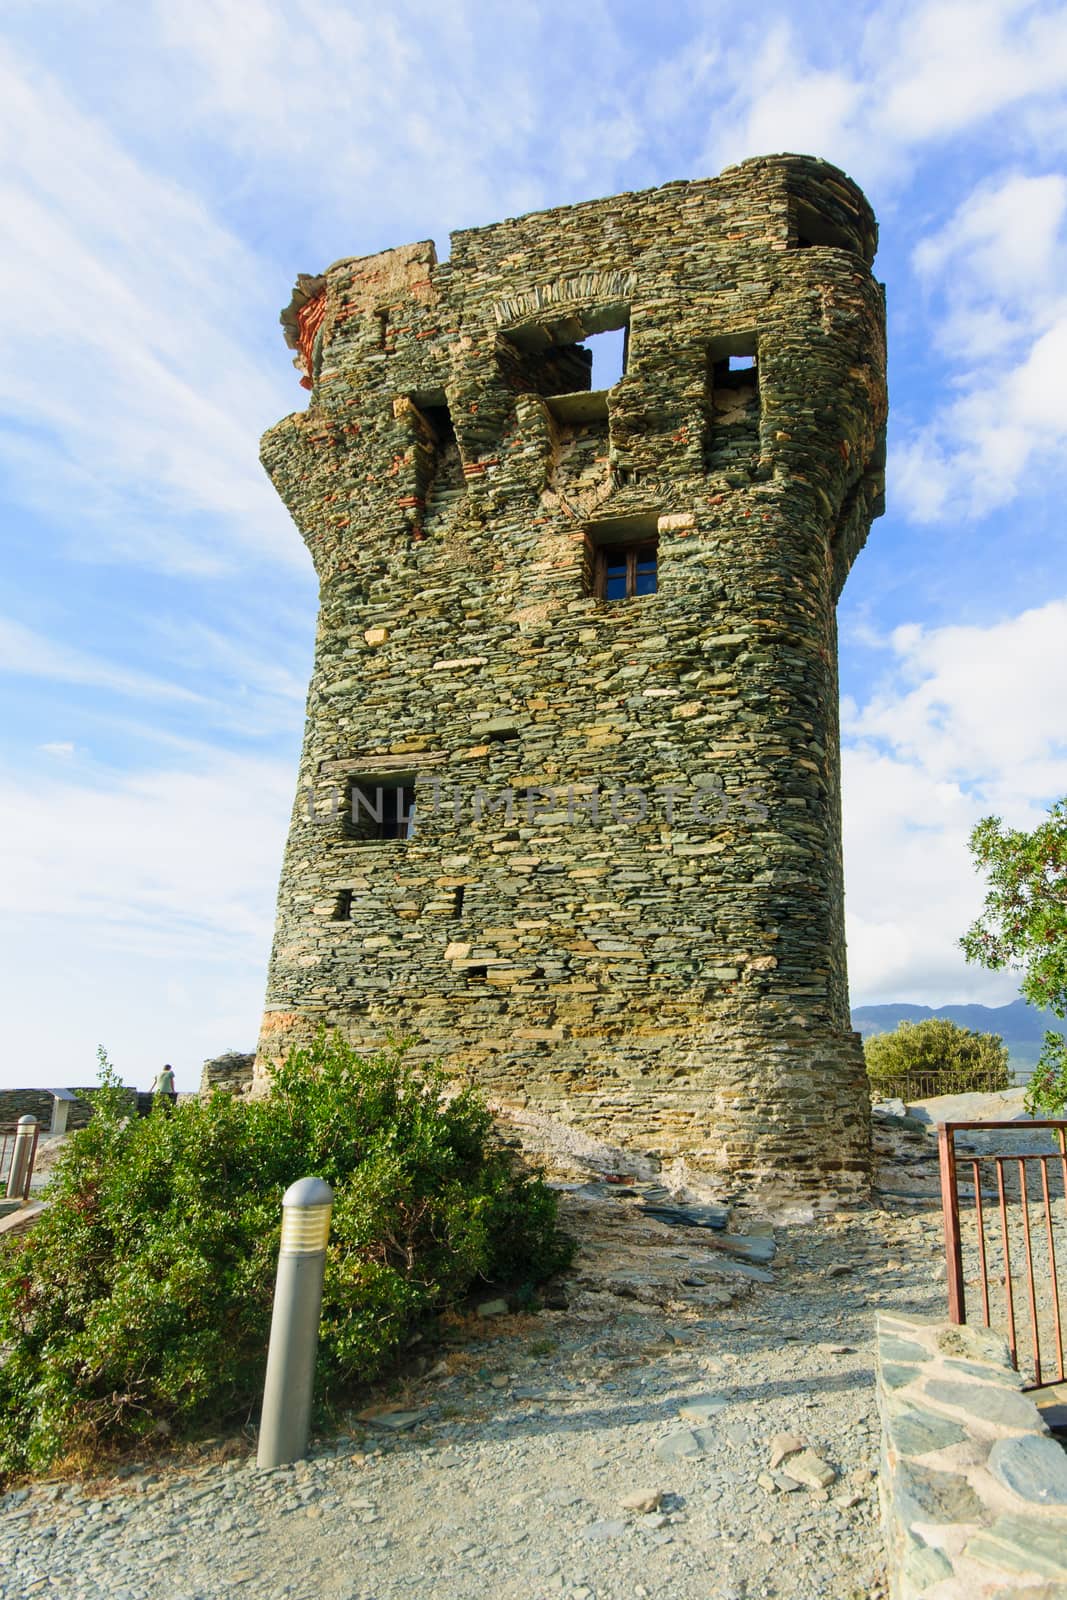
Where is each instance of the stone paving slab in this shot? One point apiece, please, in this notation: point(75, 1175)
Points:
point(973, 1486)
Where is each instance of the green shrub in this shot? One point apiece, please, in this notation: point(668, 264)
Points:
point(143, 1295)
point(935, 1056)
point(1046, 1093)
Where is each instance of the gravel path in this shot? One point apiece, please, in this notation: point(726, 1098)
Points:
point(530, 1435)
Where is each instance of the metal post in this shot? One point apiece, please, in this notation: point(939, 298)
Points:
point(950, 1212)
point(294, 1328)
point(61, 1103)
point(18, 1178)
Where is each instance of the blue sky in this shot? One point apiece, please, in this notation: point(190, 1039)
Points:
point(168, 169)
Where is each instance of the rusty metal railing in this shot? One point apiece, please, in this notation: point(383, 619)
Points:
point(925, 1083)
point(18, 1147)
point(1001, 1252)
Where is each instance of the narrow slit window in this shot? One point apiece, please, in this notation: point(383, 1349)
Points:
point(342, 906)
point(440, 419)
point(441, 481)
point(457, 902)
point(733, 407)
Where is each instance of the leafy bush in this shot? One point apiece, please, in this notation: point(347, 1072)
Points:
point(1024, 925)
point(1046, 1093)
point(1024, 919)
point(963, 1060)
point(143, 1295)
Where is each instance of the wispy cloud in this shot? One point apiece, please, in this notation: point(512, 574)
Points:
point(967, 722)
point(25, 653)
point(958, 63)
point(354, 103)
point(162, 882)
point(127, 377)
point(995, 274)
point(160, 860)
point(878, 86)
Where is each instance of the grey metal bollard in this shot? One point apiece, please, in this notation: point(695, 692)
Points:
point(294, 1328)
point(18, 1178)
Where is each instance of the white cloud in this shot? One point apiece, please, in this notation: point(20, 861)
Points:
point(910, 888)
point(893, 80)
point(132, 399)
point(995, 272)
point(463, 107)
point(1003, 240)
point(960, 62)
point(139, 913)
point(63, 749)
point(967, 722)
point(154, 860)
point(782, 101)
point(25, 653)
point(980, 705)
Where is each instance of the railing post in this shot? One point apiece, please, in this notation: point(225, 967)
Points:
point(21, 1171)
point(294, 1328)
point(60, 1108)
point(950, 1211)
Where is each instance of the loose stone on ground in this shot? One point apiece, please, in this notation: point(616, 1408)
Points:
point(534, 1491)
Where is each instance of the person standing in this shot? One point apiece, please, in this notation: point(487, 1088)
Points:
point(164, 1086)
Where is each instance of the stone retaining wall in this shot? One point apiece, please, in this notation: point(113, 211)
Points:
point(16, 1103)
point(973, 1486)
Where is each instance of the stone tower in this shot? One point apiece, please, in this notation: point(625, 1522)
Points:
point(568, 807)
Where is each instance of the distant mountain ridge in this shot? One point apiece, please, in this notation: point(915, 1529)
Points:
point(1021, 1025)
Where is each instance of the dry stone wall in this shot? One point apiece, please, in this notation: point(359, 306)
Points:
point(620, 896)
point(40, 1103)
point(232, 1072)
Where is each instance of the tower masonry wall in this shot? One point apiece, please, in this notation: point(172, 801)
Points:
point(647, 937)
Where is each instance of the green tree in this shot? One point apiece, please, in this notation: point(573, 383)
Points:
point(936, 1046)
point(1023, 926)
point(143, 1295)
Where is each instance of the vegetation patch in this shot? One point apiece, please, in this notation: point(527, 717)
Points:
point(933, 1057)
point(1024, 926)
point(143, 1296)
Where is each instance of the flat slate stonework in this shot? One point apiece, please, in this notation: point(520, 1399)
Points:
point(973, 1486)
point(620, 896)
point(231, 1072)
point(40, 1103)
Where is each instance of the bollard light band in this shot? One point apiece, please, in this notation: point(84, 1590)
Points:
point(305, 1229)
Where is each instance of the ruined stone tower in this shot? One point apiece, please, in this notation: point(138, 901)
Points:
point(568, 806)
